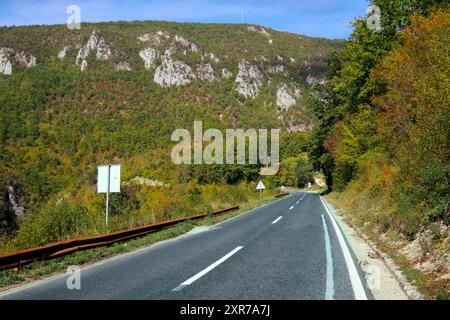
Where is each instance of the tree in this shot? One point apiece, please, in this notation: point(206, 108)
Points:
point(348, 96)
point(304, 173)
point(416, 108)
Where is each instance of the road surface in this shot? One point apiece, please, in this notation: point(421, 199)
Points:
point(291, 248)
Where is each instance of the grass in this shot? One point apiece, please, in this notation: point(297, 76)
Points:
point(42, 269)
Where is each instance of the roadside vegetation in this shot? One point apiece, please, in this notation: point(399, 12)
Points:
point(84, 215)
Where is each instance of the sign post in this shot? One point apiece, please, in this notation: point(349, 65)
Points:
point(108, 181)
point(260, 187)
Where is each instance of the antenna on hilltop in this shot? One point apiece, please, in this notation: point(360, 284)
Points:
point(242, 16)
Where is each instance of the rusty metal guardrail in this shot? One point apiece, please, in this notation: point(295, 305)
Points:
point(281, 195)
point(53, 250)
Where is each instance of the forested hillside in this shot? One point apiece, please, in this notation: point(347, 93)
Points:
point(113, 93)
point(383, 135)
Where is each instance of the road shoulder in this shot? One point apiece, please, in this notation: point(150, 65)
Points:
point(383, 278)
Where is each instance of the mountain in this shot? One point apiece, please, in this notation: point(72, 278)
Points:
point(114, 92)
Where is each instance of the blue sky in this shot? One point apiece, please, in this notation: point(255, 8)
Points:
point(322, 18)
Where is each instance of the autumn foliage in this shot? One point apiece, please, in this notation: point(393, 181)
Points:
point(386, 119)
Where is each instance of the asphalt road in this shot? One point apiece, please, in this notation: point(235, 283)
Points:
point(288, 249)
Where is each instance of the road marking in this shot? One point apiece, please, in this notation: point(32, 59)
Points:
point(292, 207)
point(206, 270)
point(297, 202)
point(329, 291)
point(357, 286)
point(277, 219)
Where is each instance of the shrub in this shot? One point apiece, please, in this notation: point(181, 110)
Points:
point(54, 223)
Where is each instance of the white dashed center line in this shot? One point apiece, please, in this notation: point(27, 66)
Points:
point(277, 219)
point(206, 270)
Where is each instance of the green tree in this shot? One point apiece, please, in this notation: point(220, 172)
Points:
point(304, 173)
point(351, 89)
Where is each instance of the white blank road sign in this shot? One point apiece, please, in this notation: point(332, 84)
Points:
point(114, 179)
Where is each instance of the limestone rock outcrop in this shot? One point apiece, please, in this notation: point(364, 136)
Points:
point(95, 43)
point(10, 58)
point(173, 73)
point(249, 79)
point(286, 96)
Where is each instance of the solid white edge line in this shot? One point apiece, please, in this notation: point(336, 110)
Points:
point(208, 269)
point(329, 288)
point(277, 219)
point(357, 286)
